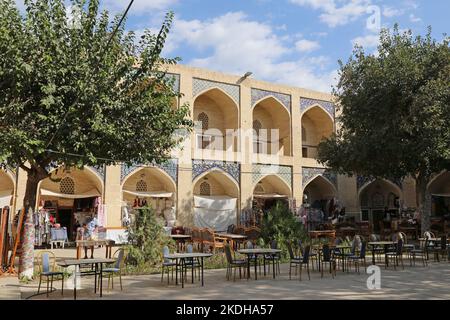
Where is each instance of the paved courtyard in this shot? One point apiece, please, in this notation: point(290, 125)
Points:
point(432, 282)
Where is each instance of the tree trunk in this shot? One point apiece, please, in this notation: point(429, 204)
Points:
point(421, 199)
point(26, 261)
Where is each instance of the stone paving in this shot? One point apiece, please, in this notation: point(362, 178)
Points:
point(431, 282)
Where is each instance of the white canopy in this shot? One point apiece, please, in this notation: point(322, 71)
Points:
point(216, 212)
point(89, 194)
point(150, 194)
point(446, 195)
point(269, 196)
point(5, 198)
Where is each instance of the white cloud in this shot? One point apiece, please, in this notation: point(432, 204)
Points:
point(337, 12)
point(390, 12)
point(139, 6)
point(306, 45)
point(234, 44)
point(414, 19)
point(368, 41)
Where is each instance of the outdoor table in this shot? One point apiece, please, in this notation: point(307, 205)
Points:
point(77, 263)
point(180, 239)
point(255, 253)
point(386, 244)
point(433, 241)
point(182, 257)
point(232, 238)
point(91, 244)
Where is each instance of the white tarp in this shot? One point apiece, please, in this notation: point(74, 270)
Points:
point(5, 198)
point(152, 194)
point(215, 212)
point(89, 194)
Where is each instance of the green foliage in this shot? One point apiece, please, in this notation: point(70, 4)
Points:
point(393, 108)
point(146, 237)
point(80, 89)
point(280, 224)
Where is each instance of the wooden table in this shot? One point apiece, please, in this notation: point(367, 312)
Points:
point(255, 253)
point(232, 238)
point(77, 263)
point(322, 234)
point(338, 246)
point(91, 244)
point(180, 239)
point(386, 244)
point(182, 257)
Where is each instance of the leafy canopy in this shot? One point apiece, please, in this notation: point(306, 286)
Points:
point(395, 109)
point(76, 87)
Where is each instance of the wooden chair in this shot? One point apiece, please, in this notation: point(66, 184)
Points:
point(209, 239)
point(47, 269)
point(253, 234)
point(196, 237)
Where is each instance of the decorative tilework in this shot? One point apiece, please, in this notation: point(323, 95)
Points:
point(176, 81)
point(305, 103)
point(200, 85)
point(362, 181)
point(262, 170)
point(170, 167)
point(99, 170)
point(258, 95)
point(308, 174)
point(201, 166)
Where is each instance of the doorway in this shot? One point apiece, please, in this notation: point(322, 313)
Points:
point(64, 218)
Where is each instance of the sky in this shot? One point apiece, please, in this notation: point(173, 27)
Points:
point(291, 42)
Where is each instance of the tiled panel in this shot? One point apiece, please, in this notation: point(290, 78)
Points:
point(201, 166)
point(262, 170)
point(170, 167)
point(258, 94)
point(308, 174)
point(200, 85)
point(305, 103)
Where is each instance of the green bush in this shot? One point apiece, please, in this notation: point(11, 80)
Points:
point(280, 224)
point(146, 239)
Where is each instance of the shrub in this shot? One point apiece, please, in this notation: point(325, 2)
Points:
point(146, 239)
point(280, 224)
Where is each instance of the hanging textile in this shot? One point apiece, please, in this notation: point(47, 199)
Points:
point(5, 198)
point(215, 212)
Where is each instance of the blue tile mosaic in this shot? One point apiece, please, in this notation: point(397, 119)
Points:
point(258, 95)
point(201, 166)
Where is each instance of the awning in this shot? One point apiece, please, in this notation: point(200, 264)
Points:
point(150, 194)
point(89, 194)
point(446, 195)
point(270, 196)
point(5, 198)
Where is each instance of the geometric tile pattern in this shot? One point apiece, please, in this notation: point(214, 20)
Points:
point(99, 170)
point(258, 95)
point(261, 170)
point(362, 181)
point(201, 166)
point(170, 167)
point(200, 85)
point(308, 174)
point(305, 103)
point(175, 79)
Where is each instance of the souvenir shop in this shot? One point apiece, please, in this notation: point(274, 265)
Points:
point(69, 200)
point(148, 187)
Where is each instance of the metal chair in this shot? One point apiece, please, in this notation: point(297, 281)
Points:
point(119, 254)
point(396, 255)
point(47, 267)
point(167, 264)
point(327, 257)
point(233, 264)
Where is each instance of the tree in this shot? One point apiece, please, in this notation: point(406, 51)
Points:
point(395, 112)
point(76, 89)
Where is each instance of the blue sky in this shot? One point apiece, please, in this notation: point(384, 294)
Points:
point(293, 42)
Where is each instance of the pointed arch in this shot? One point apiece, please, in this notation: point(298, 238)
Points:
point(316, 105)
point(390, 183)
point(272, 183)
point(220, 183)
point(156, 169)
point(216, 92)
point(276, 100)
point(323, 179)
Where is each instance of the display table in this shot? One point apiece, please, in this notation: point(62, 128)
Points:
point(58, 236)
point(91, 244)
